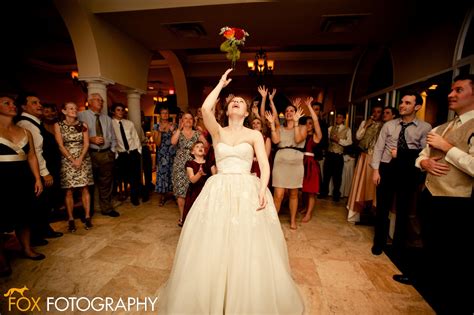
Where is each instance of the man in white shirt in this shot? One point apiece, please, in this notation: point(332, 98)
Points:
point(102, 151)
point(447, 203)
point(49, 160)
point(128, 152)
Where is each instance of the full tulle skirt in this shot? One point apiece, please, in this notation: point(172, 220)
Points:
point(231, 258)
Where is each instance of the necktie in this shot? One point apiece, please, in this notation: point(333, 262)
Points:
point(402, 141)
point(124, 137)
point(455, 123)
point(99, 132)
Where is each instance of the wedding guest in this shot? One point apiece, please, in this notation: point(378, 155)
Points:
point(128, 153)
point(447, 203)
point(20, 183)
point(76, 167)
point(198, 171)
point(288, 168)
point(49, 159)
point(165, 153)
point(102, 145)
point(362, 192)
point(183, 138)
point(312, 173)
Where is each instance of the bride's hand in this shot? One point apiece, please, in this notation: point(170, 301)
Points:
point(224, 79)
point(262, 200)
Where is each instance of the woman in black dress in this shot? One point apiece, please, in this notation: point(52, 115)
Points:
point(20, 182)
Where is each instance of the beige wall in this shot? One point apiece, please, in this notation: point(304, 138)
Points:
point(424, 53)
point(103, 51)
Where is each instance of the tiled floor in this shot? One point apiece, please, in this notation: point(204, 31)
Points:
point(131, 256)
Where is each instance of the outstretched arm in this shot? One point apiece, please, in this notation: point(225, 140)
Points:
point(209, 103)
point(271, 96)
point(317, 134)
point(263, 92)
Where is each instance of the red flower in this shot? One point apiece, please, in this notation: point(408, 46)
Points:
point(239, 33)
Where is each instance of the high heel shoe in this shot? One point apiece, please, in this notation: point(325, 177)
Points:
point(88, 223)
point(71, 226)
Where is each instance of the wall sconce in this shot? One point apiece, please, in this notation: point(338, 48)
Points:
point(260, 66)
point(77, 82)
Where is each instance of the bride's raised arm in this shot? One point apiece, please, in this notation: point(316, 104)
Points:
point(209, 105)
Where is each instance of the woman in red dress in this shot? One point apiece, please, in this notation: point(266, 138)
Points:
point(312, 172)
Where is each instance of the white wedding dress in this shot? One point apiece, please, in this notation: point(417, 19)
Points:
point(231, 258)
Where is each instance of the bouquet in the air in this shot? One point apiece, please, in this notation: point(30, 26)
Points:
point(235, 37)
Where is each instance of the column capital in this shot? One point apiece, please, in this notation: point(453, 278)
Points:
point(134, 92)
point(98, 80)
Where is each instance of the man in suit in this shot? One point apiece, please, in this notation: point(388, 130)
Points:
point(49, 160)
point(447, 203)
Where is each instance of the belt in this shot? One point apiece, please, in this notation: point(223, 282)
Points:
point(128, 152)
point(309, 154)
point(292, 148)
point(99, 150)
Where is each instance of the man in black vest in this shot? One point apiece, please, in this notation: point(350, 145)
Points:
point(49, 160)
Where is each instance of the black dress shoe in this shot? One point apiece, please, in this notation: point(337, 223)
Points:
point(145, 198)
point(403, 279)
point(135, 202)
point(377, 250)
point(37, 257)
point(53, 234)
point(112, 214)
point(39, 242)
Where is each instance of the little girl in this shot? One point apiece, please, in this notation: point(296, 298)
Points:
point(198, 171)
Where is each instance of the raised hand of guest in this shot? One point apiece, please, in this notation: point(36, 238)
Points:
point(297, 102)
point(299, 113)
point(263, 91)
point(271, 96)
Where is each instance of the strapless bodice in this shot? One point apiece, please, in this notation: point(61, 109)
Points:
point(235, 159)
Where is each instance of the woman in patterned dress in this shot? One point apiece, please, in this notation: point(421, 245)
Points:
point(183, 138)
point(165, 153)
point(76, 168)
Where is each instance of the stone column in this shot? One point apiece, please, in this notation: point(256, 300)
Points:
point(134, 111)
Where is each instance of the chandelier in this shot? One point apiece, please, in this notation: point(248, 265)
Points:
point(261, 65)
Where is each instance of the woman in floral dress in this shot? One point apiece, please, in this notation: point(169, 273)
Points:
point(184, 139)
point(72, 137)
point(165, 153)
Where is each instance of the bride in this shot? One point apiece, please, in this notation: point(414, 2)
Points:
point(231, 256)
